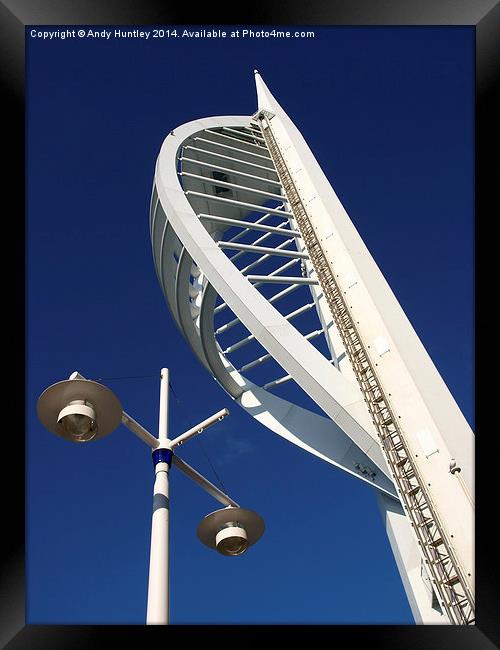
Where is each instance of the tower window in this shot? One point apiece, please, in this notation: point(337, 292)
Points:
point(220, 176)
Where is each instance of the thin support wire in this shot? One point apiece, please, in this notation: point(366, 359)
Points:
point(220, 481)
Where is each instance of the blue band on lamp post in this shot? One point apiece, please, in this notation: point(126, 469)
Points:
point(162, 456)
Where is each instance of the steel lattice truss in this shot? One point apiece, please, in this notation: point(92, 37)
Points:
point(255, 292)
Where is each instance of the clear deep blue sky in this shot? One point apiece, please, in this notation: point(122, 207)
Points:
point(388, 112)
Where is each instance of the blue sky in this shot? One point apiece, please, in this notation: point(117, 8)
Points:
point(389, 113)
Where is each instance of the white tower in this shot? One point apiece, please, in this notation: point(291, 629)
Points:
point(242, 217)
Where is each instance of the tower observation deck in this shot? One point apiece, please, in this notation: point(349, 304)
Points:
point(271, 284)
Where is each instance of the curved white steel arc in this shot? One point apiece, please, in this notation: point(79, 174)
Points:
point(306, 365)
point(313, 433)
point(192, 270)
point(187, 324)
point(234, 385)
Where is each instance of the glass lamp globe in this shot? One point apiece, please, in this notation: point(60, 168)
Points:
point(232, 539)
point(78, 420)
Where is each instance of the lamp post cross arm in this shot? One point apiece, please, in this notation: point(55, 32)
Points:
point(129, 422)
point(203, 482)
point(197, 429)
point(142, 433)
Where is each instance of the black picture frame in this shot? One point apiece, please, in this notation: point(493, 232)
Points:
point(484, 16)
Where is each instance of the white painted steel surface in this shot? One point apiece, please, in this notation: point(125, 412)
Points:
point(159, 559)
point(158, 585)
point(210, 488)
point(418, 396)
point(197, 429)
point(163, 414)
point(193, 269)
point(308, 367)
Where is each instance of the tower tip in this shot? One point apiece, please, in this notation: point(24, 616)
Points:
point(265, 100)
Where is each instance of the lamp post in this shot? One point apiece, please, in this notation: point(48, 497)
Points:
point(158, 588)
point(81, 410)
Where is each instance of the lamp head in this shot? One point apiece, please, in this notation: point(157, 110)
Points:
point(231, 531)
point(79, 410)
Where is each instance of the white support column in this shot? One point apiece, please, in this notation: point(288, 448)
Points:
point(158, 589)
point(163, 419)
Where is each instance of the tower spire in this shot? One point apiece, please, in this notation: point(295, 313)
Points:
point(265, 100)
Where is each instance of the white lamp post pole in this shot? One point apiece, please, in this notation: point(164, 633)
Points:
point(82, 410)
point(158, 589)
